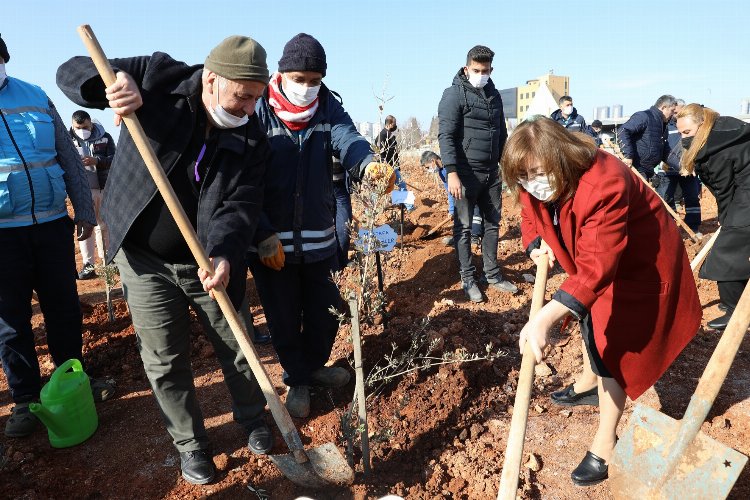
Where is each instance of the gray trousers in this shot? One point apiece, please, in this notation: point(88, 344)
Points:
point(159, 295)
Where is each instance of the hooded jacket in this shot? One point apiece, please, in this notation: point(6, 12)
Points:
point(101, 146)
point(472, 130)
point(723, 165)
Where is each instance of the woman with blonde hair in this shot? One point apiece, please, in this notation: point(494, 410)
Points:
point(626, 264)
point(717, 149)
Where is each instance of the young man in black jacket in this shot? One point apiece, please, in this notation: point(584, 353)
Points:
point(200, 121)
point(472, 135)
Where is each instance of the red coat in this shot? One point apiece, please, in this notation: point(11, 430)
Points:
point(627, 264)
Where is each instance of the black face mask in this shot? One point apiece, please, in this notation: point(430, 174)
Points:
point(686, 142)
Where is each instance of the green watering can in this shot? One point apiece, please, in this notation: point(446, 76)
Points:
point(67, 407)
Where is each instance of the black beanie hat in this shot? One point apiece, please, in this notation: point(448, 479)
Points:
point(4, 50)
point(303, 53)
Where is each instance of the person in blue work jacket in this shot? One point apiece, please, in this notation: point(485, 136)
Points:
point(295, 248)
point(39, 168)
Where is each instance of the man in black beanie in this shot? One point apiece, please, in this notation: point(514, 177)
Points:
point(200, 120)
point(295, 246)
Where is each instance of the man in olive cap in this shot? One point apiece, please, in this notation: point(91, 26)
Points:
point(296, 245)
point(200, 121)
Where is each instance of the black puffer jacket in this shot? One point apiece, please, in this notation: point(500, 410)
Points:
point(723, 165)
point(643, 139)
point(472, 130)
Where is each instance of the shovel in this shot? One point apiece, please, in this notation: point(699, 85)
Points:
point(517, 433)
point(696, 262)
point(315, 468)
point(420, 231)
point(659, 457)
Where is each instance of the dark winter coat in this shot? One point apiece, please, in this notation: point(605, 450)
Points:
point(675, 149)
point(101, 146)
point(299, 204)
point(231, 195)
point(643, 139)
point(574, 122)
point(388, 145)
point(472, 130)
point(724, 167)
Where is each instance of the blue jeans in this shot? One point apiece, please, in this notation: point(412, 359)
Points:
point(38, 257)
point(690, 190)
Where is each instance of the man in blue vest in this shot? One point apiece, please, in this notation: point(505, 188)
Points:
point(39, 168)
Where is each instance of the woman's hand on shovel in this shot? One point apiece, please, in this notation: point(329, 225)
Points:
point(536, 331)
point(220, 277)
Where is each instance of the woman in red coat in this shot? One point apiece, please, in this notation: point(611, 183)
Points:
point(626, 264)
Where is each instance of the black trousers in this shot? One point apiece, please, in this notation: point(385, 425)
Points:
point(296, 301)
point(38, 257)
point(730, 292)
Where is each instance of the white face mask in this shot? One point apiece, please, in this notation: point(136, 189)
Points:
point(567, 110)
point(3, 74)
point(220, 116)
point(478, 80)
point(538, 187)
point(83, 133)
point(298, 94)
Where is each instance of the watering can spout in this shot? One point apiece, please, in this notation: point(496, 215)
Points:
point(49, 419)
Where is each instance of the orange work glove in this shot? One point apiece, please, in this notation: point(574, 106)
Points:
point(381, 175)
point(271, 253)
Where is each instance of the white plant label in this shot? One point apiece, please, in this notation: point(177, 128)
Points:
point(384, 235)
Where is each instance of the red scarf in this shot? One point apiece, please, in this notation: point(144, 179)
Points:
point(293, 116)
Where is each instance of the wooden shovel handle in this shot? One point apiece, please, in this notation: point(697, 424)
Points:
point(278, 410)
point(704, 251)
point(439, 225)
point(674, 215)
point(517, 433)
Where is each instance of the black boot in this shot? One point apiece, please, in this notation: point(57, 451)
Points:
point(569, 397)
point(197, 466)
point(592, 470)
point(721, 322)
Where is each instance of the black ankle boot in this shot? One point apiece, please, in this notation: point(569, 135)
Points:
point(592, 470)
point(721, 322)
point(197, 466)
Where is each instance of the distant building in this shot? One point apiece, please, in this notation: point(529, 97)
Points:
point(601, 112)
point(745, 107)
point(617, 111)
point(557, 85)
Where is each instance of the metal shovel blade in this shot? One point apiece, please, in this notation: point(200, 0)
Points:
point(708, 469)
point(326, 466)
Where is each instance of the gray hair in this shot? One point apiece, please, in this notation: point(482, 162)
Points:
point(665, 100)
point(680, 102)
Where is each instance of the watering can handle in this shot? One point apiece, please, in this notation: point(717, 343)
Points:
point(63, 369)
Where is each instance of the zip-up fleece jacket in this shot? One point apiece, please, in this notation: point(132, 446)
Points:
point(101, 146)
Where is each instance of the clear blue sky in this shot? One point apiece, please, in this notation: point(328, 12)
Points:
point(626, 52)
